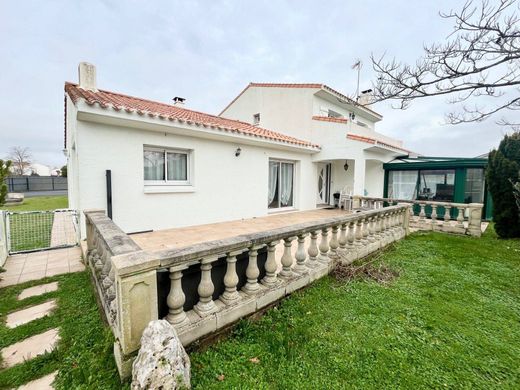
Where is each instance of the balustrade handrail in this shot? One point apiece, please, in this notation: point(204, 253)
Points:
point(132, 262)
point(420, 201)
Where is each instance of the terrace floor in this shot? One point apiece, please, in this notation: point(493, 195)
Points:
point(180, 237)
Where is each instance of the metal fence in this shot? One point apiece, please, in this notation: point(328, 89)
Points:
point(36, 183)
point(36, 230)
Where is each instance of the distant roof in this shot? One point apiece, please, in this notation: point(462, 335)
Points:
point(303, 85)
point(119, 102)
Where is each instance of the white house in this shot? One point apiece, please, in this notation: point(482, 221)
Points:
point(344, 130)
point(173, 167)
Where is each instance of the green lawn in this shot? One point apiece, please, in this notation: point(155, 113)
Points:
point(39, 203)
point(33, 231)
point(450, 320)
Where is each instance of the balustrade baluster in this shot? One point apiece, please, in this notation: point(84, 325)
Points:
point(359, 233)
point(343, 237)
point(230, 293)
point(270, 279)
point(300, 255)
point(434, 213)
point(350, 235)
point(324, 246)
point(313, 251)
point(447, 215)
point(371, 229)
point(287, 258)
point(460, 216)
point(176, 298)
point(206, 288)
point(365, 231)
point(252, 271)
point(422, 213)
point(334, 244)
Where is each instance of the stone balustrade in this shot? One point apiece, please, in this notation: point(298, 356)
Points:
point(448, 217)
point(212, 284)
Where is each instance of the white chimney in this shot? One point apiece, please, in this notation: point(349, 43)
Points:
point(87, 76)
point(366, 98)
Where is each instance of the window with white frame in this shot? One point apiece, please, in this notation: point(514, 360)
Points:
point(166, 166)
point(281, 184)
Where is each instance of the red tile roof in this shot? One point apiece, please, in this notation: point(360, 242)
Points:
point(300, 85)
point(374, 141)
point(120, 102)
point(329, 119)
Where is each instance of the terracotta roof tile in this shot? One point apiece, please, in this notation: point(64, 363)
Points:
point(374, 141)
point(329, 119)
point(118, 102)
point(300, 85)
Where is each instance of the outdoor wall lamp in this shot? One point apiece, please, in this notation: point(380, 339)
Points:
point(345, 167)
point(238, 151)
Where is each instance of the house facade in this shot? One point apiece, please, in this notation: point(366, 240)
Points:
point(172, 167)
point(345, 130)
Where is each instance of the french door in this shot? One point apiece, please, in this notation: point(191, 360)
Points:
point(324, 170)
point(281, 183)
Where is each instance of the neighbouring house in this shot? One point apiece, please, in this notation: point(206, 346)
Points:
point(344, 129)
point(171, 167)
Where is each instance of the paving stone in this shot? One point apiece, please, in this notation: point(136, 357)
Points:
point(29, 314)
point(38, 290)
point(30, 348)
point(43, 383)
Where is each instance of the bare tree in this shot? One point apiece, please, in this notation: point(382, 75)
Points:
point(478, 66)
point(21, 159)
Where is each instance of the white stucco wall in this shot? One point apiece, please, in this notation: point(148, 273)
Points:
point(226, 187)
point(287, 110)
point(375, 177)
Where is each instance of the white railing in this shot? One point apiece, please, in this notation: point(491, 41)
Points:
point(449, 217)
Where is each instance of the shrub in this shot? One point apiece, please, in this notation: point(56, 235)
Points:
point(502, 173)
point(4, 172)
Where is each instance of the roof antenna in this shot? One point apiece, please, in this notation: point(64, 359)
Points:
point(357, 65)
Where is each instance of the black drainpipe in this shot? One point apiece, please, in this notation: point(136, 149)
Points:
point(109, 193)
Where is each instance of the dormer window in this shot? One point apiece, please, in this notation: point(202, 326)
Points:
point(334, 114)
point(256, 119)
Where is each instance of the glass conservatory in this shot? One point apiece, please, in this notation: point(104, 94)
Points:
point(459, 180)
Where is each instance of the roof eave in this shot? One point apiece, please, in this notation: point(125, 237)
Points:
point(97, 113)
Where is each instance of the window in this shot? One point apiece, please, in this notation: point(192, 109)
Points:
point(334, 114)
point(438, 185)
point(166, 166)
point(256, 119)
point(402, 185)
point(281, 183)
point(474, 188)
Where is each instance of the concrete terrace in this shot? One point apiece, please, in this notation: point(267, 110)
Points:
point(185, 236)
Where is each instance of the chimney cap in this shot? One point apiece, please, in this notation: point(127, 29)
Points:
point(87, 76)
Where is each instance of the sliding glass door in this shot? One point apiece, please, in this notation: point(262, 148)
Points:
point(281, 183)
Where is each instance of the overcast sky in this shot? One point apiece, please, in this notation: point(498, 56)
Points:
point(207, 51)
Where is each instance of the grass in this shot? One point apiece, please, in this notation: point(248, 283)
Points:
point(30, 231)
point(39, 203)
point(33, 231)
point(84, 354)
point(449, 321)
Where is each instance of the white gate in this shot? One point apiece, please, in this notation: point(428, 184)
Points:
point(29, 231)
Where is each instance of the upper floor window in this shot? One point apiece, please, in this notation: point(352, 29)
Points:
point(334, 114)
point(166, 166)
point(256, 119)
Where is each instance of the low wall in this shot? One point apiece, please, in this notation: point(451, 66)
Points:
point(214, 284)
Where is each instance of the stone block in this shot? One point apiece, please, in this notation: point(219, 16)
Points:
point(197, 327)
point(270, 295)
point(297, 283)
point(137, 306)
point(38, 290)
point(228, 314)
